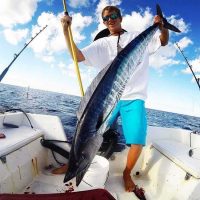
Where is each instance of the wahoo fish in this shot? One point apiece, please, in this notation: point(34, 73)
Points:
point(101, 98)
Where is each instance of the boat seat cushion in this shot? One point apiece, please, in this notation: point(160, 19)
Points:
point(16, 138)
point(89, 195)
point(179, 154)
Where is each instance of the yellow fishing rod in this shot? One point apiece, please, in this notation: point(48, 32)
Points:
point(73, 51)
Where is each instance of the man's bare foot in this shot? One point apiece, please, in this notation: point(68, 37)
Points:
point(128, 183)
point(60, 170)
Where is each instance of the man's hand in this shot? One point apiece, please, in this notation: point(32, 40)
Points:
point(158, 19)
point(164, 36)
point(66, 21)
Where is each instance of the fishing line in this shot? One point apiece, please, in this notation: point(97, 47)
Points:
point(190, 66)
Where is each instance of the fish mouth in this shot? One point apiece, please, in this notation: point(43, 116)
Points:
point(71, 172)
point(79, 174)
point(78, 170)
point(69, 176)
point(79, 165)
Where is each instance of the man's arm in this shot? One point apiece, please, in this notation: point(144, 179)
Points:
point(164, 36)
point(66, 22)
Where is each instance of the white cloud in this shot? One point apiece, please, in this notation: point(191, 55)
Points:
point(61, 65)
point(79, 23)
point(197, 76)
point(184, 42)
point(63, 68)
point(79, 3)
point(48, 58)
point(87, 74)
point(14, 12)
point(52, 39)
point(159, 61)
point(195, 66)
point(103, 3)
point(15, 79)
point(14, 37)
point(165, 56)
point(70, 71)
point(137, 21)
point(168, 50)
point(179, 23)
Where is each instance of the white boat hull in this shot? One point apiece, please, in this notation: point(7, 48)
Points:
point(165, 170)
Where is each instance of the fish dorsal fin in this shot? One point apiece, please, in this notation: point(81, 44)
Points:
point(89, 92)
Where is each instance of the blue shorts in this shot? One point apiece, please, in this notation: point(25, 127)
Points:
point(134, 122)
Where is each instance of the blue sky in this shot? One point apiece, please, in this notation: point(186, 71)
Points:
point(47, 65)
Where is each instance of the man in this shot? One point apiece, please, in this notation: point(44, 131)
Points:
point(131, 105)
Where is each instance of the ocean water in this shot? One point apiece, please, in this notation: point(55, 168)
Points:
point(65, 107)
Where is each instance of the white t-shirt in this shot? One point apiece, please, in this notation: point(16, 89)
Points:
point(102, 52)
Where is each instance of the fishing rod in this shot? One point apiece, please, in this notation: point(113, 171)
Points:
point(190, 66)
point(191, 151)
point(17, 55)
point(73, 52)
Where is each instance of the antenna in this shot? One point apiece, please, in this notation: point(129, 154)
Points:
point(190, 66)
point(16, 55)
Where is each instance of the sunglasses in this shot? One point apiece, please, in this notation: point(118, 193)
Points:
point(112, 16)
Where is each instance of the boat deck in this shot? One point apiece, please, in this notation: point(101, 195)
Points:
point(48, 183)
point(115, 186)
point(45, 184)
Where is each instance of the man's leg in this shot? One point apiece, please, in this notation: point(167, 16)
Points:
point(134, 126)
point(132, 157)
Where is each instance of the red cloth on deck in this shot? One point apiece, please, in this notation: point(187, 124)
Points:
point(97, 194)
